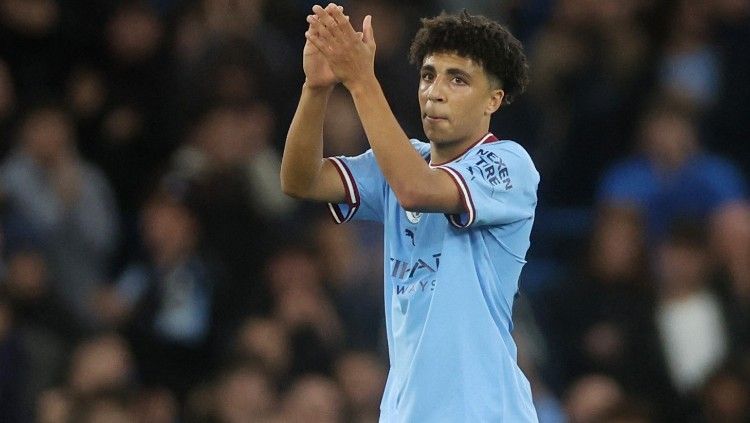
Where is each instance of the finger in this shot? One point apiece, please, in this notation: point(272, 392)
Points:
point(325, 18)
point(367, 31)
point(341, 8)
point(311, 19)
point(334, 11)
point(320, 29)
point(337, 17)
point(342, 21)
point(319, 13)
point(318, 42)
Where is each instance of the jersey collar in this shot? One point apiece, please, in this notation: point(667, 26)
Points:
point(486, 139)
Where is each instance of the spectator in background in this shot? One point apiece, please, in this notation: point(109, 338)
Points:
point(244, 394)
point(104, 408)
point(313, 399)
point(155, 405)
point(601, 320)
point(228, 51)
point(86, 95)
point(103, 363)
point(237, 140)
point(62, 203)
point(166, 301)
point(228, 167)
point(100, 366)
point(344, 133)
point(42, 326)
point(691, 322)
point(588, 82)
point(397, 76)
point(725, 396)
point(266, 341)
point(361, 377)
point(54, 406)
point(533, 357)
point(592, 397)
point(8, 106)
point(11, 359)
point(302, 304)
point(353, 280)
point(672, 179)
point(689, 69)
point(137, 129)
point(30, 35)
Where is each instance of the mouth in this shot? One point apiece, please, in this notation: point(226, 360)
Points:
point(434, 118)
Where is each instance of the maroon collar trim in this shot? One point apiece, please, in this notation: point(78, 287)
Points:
point(488, 138)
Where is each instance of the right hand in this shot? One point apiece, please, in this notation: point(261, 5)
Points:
point(318, 73)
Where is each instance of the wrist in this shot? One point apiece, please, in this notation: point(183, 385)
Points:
point(317, 89)
point(363, 85)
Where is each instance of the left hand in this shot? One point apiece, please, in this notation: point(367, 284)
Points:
point(350, 54)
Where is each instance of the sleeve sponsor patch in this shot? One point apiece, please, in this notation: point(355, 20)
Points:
point(490, 167)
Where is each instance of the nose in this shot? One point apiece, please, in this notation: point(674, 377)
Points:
point(435, 91)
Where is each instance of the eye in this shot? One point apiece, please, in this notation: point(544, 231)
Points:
point(427, 76)
point(458, 80)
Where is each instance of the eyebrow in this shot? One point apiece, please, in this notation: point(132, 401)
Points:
point(450, 71)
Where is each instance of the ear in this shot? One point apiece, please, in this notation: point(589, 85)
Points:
point(495, 101)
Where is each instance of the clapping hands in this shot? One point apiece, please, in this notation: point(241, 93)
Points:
point(335, 51)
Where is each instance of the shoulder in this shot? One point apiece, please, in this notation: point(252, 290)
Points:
point(507, 148)
point(91, 172)
point(721, 174)
point(18, 170)
point(635, 167)
point(503, 154)
point(630, 179)
point(94, 177)
point(716, 164)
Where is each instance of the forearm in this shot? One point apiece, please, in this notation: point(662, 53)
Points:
point(404, 168)
point(303, 152)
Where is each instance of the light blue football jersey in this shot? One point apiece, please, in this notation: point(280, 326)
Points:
point(450, 282)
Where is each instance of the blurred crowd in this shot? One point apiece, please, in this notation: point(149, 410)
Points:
point(151, 270)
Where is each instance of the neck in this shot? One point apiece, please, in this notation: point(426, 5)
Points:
point(445, 152)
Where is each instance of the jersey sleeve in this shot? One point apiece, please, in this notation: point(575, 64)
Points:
point(365, 188)
point(498, 186)
point(365, 185)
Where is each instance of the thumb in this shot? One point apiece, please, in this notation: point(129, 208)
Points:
point(368, 36)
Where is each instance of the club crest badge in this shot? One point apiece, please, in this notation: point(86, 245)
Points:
point(413, 216)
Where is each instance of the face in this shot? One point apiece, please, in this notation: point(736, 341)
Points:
point(669, 140)
point(456, 99)
point(168, 229)
point(47, 135)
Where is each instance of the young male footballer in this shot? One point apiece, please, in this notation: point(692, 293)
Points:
point(457, 210)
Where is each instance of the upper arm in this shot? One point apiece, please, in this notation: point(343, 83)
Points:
point(438, 193)
point(328, 186)
point(363, 185)
point(435, 191)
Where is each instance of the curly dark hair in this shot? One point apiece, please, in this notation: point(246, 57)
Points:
point(480, 39)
